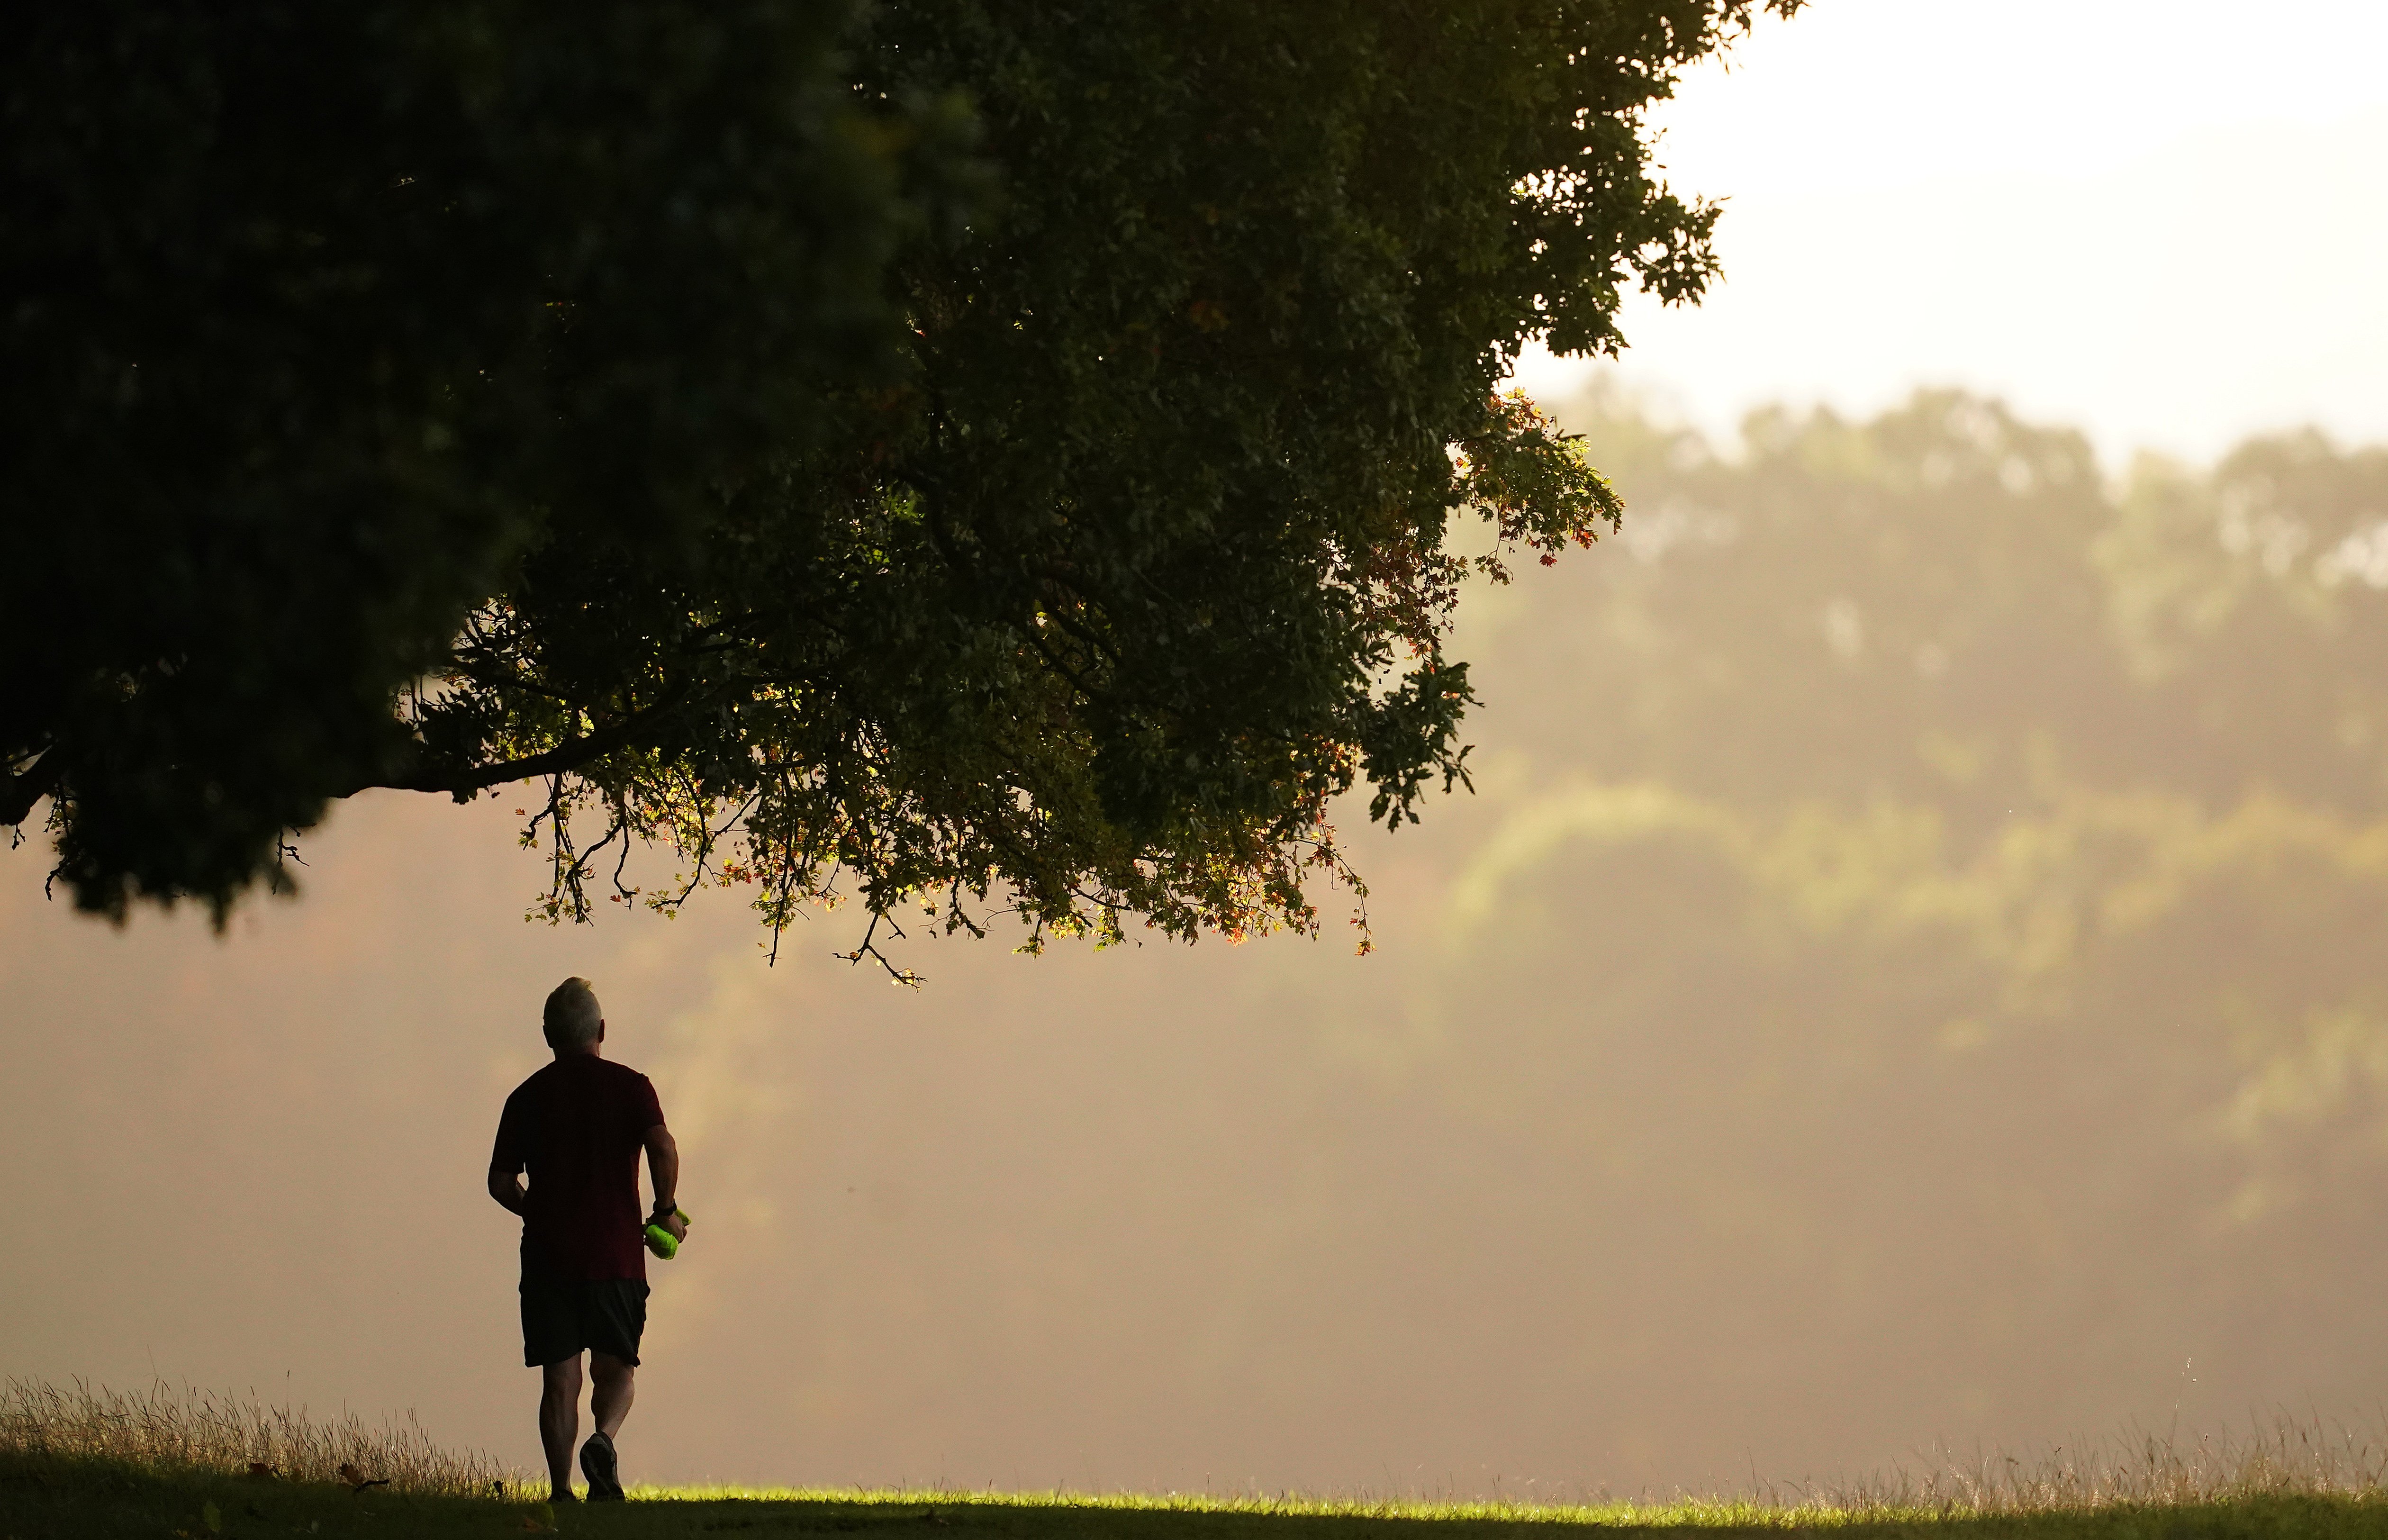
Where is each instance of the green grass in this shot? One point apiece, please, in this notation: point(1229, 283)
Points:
point(162, 1465)
point(58, 1499)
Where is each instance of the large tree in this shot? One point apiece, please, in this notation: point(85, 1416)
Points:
point(955, 452)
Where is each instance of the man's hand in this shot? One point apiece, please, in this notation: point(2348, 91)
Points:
point(663, 1170)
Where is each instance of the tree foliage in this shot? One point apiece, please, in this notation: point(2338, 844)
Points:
point(321, 317)
point(955, 452)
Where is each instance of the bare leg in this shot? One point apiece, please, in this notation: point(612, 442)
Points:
point(615, 1384)
point(559, 1422)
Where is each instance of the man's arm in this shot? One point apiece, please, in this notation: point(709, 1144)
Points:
point(506, 1159)
point(663, 1174)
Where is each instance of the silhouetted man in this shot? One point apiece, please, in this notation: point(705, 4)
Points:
point(577, 1126)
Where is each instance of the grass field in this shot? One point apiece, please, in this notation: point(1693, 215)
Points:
point(160, 1465)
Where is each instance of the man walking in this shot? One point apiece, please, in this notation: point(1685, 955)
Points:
point(577, 1126)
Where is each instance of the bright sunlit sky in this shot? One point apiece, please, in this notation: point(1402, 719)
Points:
point(2165, 223)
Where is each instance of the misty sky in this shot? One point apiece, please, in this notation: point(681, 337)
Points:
point(1229, 1217)
point(2163, 223)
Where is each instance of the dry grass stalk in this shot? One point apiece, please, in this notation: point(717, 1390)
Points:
point(2292, 1457)
point(162, 1429)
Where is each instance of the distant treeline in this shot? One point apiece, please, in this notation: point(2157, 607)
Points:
point(1956, 883)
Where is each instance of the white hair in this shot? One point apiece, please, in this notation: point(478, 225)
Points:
point(573, 1016)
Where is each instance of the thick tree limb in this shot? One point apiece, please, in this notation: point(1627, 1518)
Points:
point(461, 781)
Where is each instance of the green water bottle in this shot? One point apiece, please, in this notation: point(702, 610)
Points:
point(661, 1241)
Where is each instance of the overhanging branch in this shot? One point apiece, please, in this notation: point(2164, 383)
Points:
point(461, 781)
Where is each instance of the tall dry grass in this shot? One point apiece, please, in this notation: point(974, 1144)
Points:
point(168, 1430)
point(2289, 1456)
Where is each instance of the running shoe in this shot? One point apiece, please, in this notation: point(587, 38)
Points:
point(604, 1472)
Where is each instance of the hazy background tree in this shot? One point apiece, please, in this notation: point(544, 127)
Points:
point(1972, 870)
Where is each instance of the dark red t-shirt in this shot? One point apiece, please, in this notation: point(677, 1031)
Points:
point(577, 1126)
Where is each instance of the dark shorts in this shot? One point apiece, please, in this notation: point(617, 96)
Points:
point(562, 1319)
